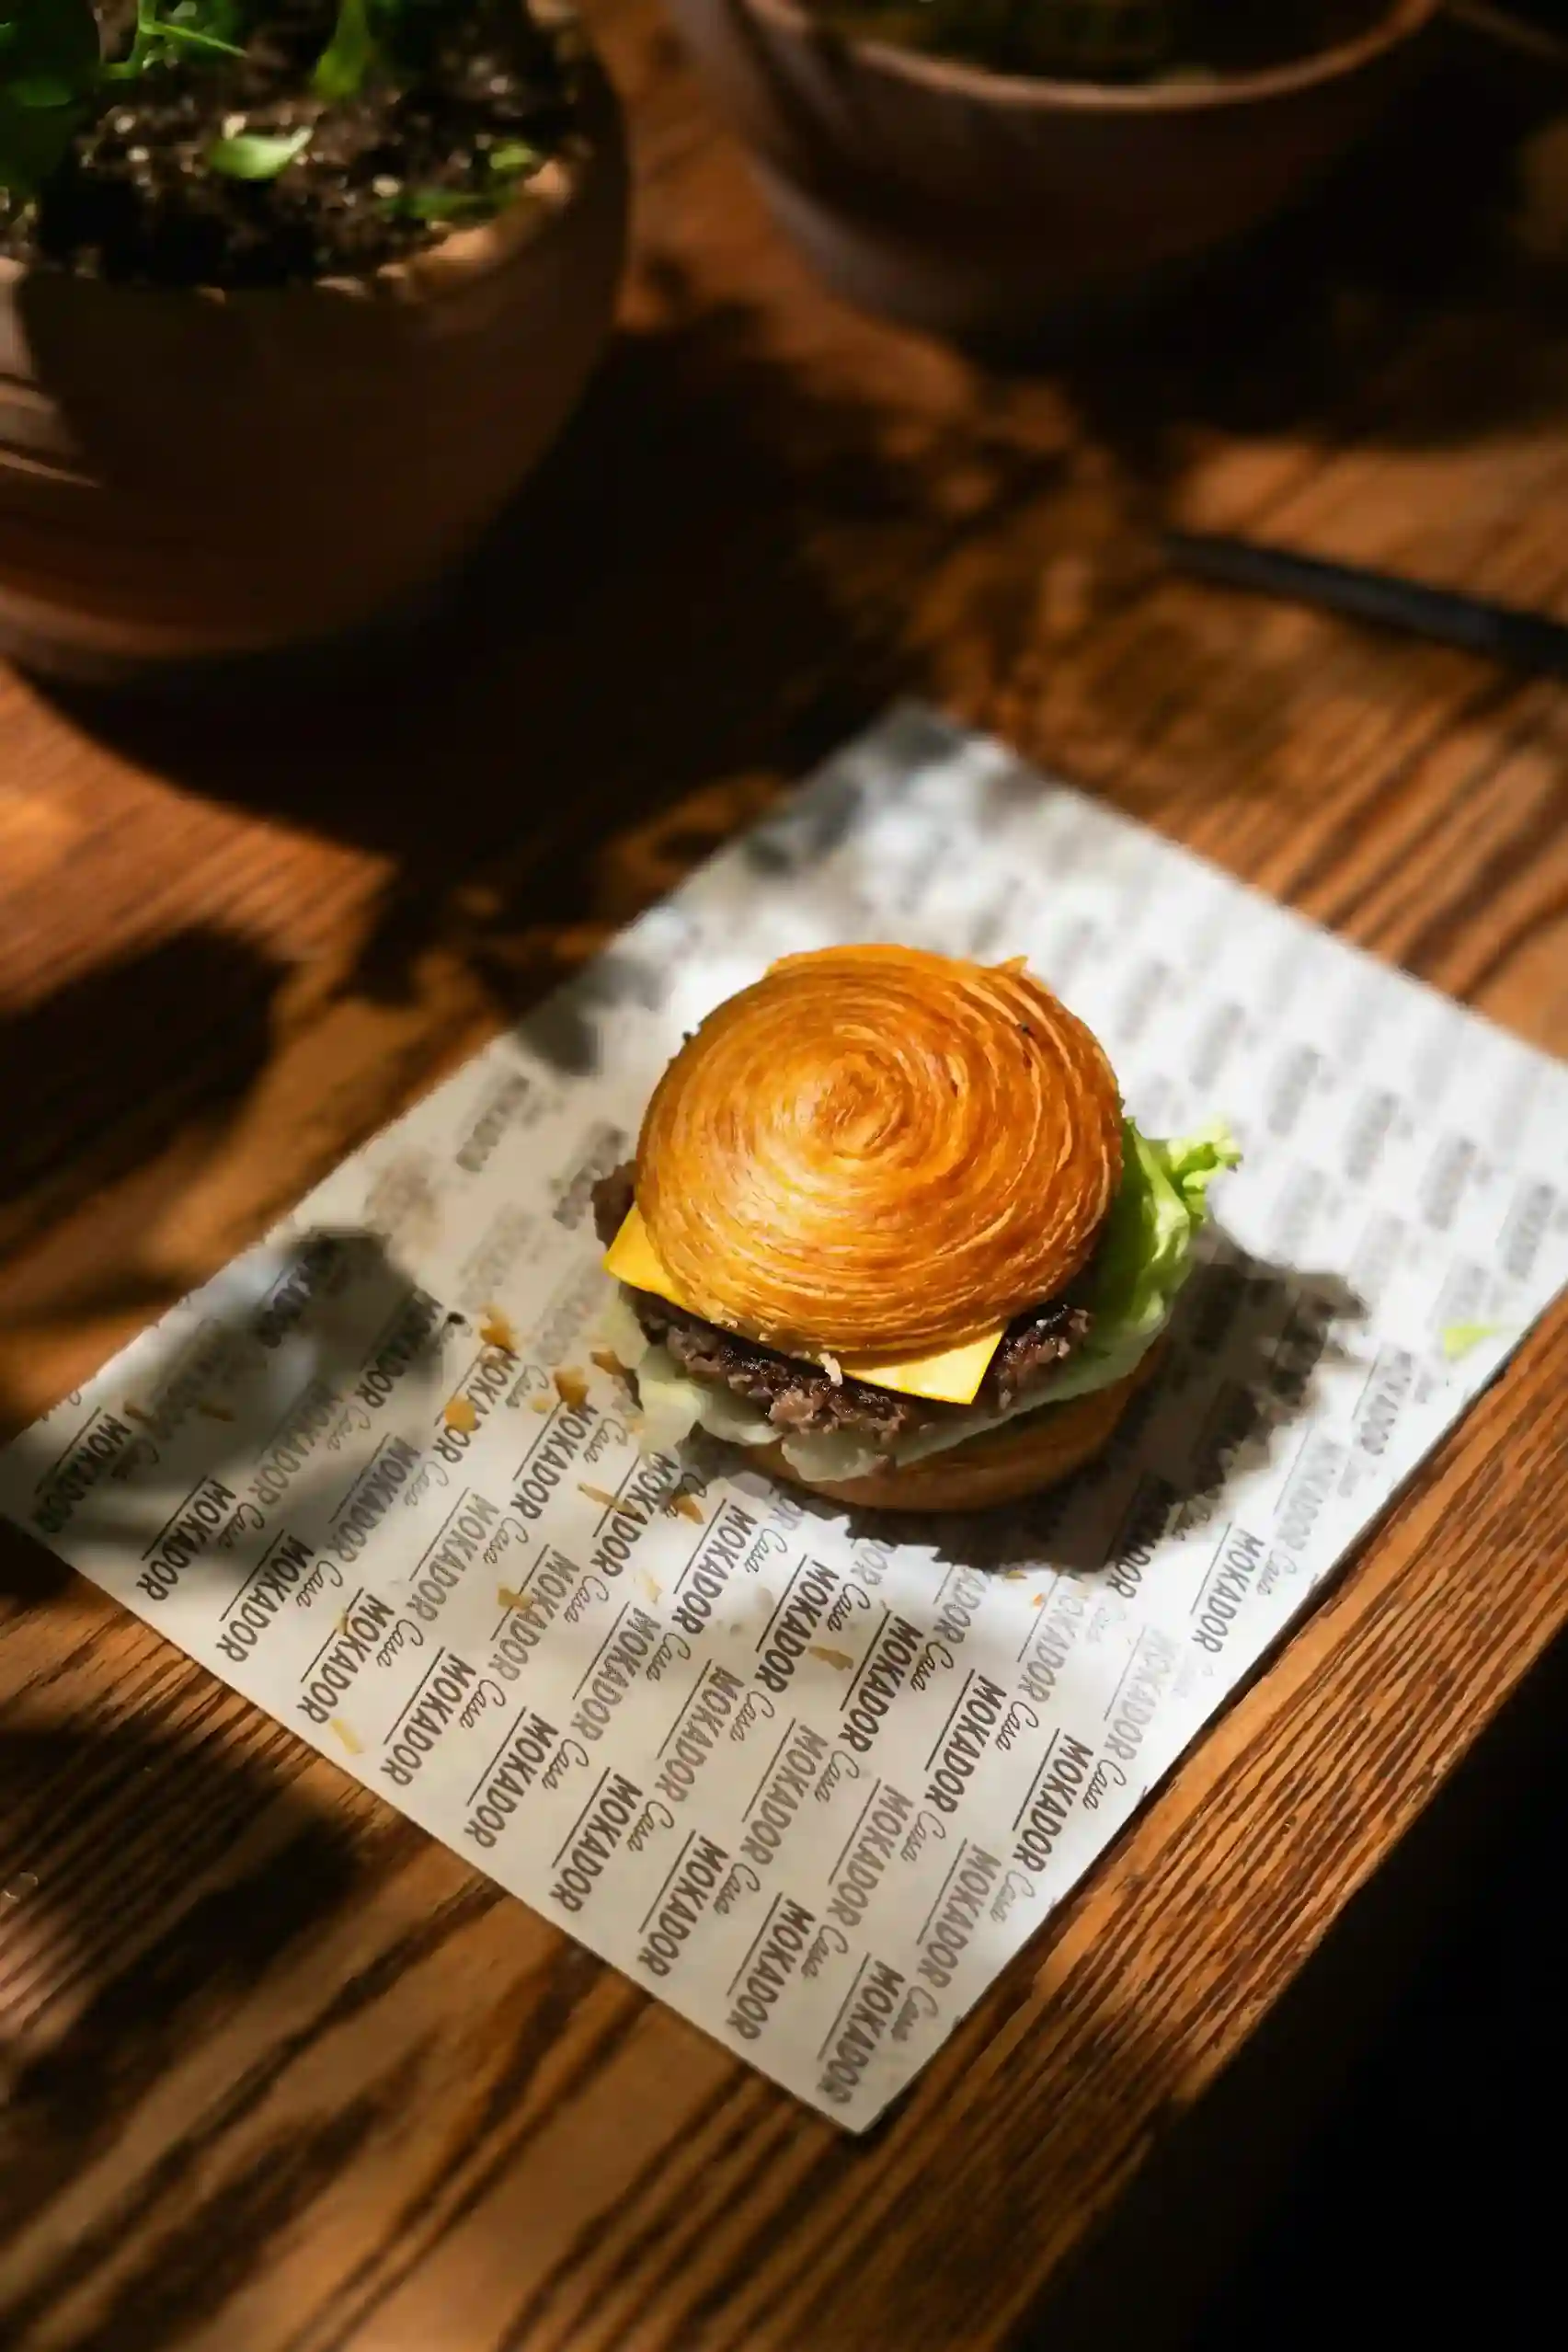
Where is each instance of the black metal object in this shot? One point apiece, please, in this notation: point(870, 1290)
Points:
point(1502, 633)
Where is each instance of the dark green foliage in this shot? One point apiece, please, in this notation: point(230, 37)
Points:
point(49, 75)
point(54, 78)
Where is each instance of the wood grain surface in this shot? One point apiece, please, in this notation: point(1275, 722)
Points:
point(283, 2075)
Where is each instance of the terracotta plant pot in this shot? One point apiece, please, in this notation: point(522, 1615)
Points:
point(186, 475)
point(978, 204)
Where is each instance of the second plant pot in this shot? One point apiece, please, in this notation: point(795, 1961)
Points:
point(980, 204)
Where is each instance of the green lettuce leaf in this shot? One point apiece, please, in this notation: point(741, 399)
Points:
point(1146, 1255)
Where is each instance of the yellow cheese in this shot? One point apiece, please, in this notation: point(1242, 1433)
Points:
point(952, 1378)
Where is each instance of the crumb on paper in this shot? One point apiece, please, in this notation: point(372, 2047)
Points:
point(1015, 1576)
point(1039, 1602)
point(830, 1657)
point(609, 1361)
point(460, 1415)
point(215, 1412)
point(1459, 1338)
point(508, 1598)
point(348, 1735)
point(597, 1494)
point(685, 1505)
point(496, 1331)
point(541, 1405)
point(571, 1386)
point(650, 1584)
point(134, 1413)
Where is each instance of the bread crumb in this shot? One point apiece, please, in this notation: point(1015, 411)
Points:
point(496, 1331)
point(685, 1505)
point(508, 1598)
point(650, 1584)
point(839, 1657)
point(460, 1415)
point(571, 1387)
point(134, 1413)
point(609, 1361)
point(1015, 1576)
point(596, 1494)
point(348, 1734)
point(1039, 1602)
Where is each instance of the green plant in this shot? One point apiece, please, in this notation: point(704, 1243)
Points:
point(48, 71)
point(54, 78)
point(53, 72)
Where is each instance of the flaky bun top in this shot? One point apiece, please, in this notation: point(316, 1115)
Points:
point(877, 1152)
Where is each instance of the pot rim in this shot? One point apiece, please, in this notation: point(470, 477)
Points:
point(1398, 22)
point(464, 254)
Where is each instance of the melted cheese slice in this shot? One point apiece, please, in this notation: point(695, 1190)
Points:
point(952, 1378)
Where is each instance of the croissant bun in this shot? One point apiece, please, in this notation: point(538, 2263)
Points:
point(879, 1152)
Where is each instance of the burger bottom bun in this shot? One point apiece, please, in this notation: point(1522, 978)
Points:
point(999, 1467)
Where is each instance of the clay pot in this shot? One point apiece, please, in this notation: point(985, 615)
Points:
point(186, 475)
point(978, 205)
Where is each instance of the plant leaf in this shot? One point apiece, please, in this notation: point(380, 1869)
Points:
point(257, 155)
point(218, 18)
point(38, 92)
point(57, 40)
point(442, 203)
point(51, 48)
point(512, 158)
point(343, 64)
point(189, 36)
point(33, 141)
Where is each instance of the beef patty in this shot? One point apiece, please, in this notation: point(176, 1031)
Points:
point(798, 1396)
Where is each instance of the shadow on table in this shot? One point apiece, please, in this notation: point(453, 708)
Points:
point(1236, 1384)
point(100, 1075)
point(700, 589)
point(1369, 2162)
point(1437, 2119)
point(115, 1825)
point(1418, 301)
point(332, 1291)
point(105, 1828)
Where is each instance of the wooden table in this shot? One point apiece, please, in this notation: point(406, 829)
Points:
point(283, 2075)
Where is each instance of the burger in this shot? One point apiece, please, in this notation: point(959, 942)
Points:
point(889, 1228)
